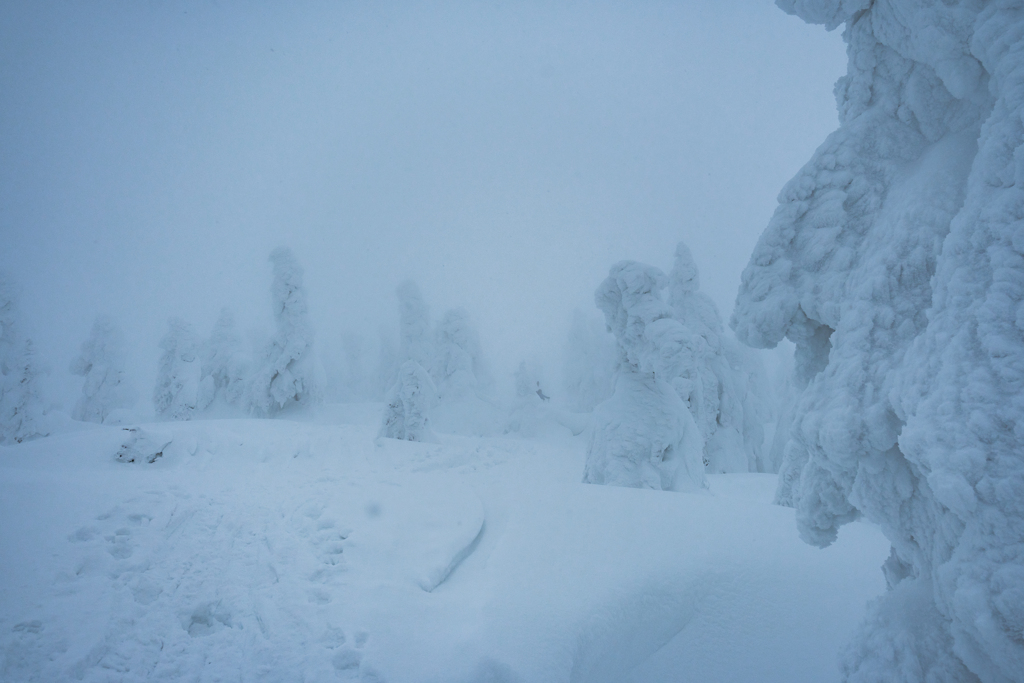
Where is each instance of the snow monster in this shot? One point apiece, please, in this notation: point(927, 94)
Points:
point(895, 263)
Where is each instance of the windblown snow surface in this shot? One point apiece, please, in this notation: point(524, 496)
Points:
point(288, 550)
point(895, 262)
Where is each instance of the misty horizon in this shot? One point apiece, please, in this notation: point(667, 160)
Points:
point(502, 157)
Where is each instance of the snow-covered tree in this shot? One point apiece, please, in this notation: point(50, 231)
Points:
point(22, 413)
point(458, 366)
point(289, 371)
point(387, 363)
point(10, 341)
point(224, 359)
point(415, 333)
point(895, 263)
point(727, 385)
point(405, 415)
point(783, 399)
point(698, 313)
point(744, 408)
point(181, 391)
point(590, 360)
point(358, 381)
point(523, 381)
point(644, 435)
point(102, 363)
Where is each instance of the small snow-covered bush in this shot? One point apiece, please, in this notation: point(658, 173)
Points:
point(181, 391)
point(102, 363)
point(142, 445)
point(405, 415)
point(644, 435)
point(289, 373)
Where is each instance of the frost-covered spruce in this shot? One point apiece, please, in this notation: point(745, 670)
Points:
point(181, 391)
point(22, 413)
point(524, 382)
point(388, 363)
point(726, 385)
point(224, 360)
point(405, 415)
point(357, 384)
point(102, 364)
point(784, 394)
point(644, 435)
point(698, 313)
point(415, 332)
point(738, 443)
point(458, 368)
point(289, 372)
point(590, 360)
point(10, 341)
point(895, 262)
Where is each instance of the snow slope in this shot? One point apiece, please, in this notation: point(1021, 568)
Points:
point(273, 550)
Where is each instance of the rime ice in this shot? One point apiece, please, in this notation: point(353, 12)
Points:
point(895, 263)
point(644, 435)
point(102, 363)
point(289, 371)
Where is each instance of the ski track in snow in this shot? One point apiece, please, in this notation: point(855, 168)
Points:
point(278, 551)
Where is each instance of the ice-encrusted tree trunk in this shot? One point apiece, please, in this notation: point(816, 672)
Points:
point(726, 382)
point(289, 373)
point(458, 368)
point(644, 435)
point(224, 359)
point(895, 262)
point(102, 364)
point(405, 415)
point(22, 411)
point(181, 391)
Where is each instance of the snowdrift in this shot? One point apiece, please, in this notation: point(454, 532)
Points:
point(279, 550)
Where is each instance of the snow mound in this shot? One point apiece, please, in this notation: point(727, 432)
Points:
point(143, 445)
point(418, 534)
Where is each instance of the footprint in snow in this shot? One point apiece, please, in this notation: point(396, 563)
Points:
point(347, 658)
point(114, 531)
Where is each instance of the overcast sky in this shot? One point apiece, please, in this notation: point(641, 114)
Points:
point(502, 154)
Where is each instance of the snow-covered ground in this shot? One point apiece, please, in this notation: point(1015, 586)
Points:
point(283, 550)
